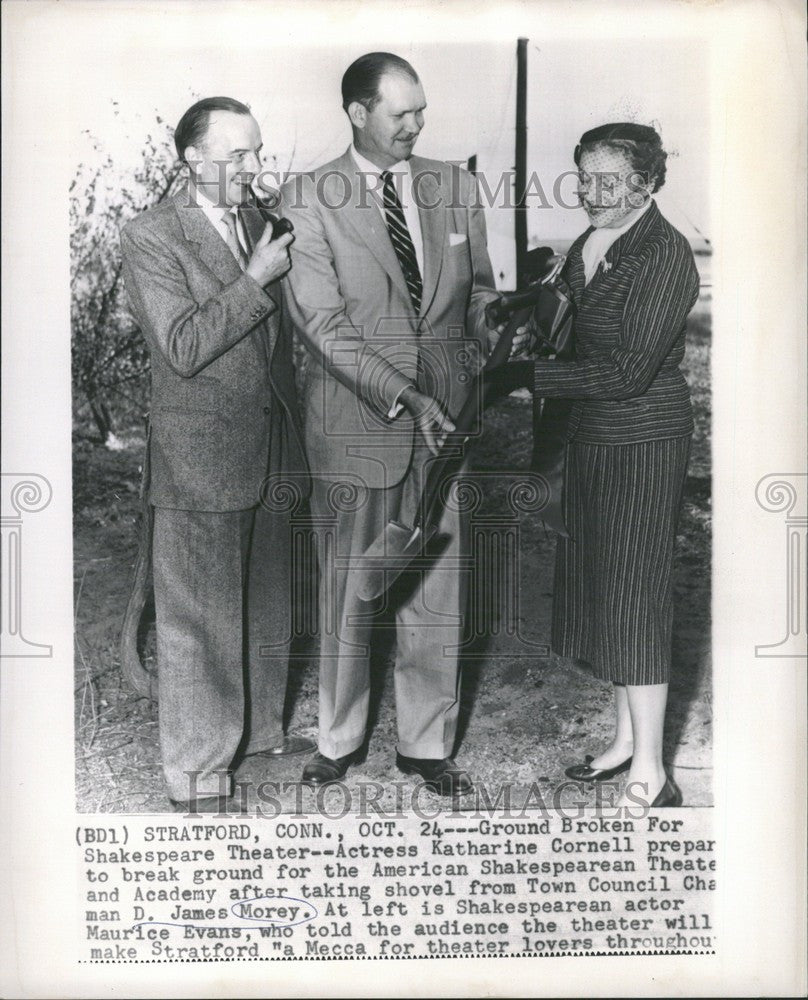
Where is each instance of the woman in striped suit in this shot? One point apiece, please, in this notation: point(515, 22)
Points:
point(634, 281)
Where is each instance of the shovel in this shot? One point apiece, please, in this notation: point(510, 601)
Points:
point(399, 545)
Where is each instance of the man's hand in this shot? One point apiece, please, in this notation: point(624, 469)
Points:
point(432, 422)
point(522, 339)
point(270, 258)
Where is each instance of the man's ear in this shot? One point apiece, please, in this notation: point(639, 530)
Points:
point(358, 114)
point(192, 157)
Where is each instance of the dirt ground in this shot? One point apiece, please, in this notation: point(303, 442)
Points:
point(525, 714)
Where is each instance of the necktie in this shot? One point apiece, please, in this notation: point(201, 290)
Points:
point(402, 242)
point(233, 241)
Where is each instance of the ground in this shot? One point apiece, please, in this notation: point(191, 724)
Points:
point(524, 718)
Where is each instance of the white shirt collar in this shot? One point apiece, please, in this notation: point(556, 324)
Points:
point(365, 165)
point(215, 213)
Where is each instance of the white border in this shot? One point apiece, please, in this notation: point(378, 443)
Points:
point(758, 213)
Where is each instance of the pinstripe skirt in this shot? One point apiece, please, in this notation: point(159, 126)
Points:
point(613, 593)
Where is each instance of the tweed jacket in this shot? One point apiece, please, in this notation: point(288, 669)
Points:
point(630, 338)
point(351, 307)
point(224, 409)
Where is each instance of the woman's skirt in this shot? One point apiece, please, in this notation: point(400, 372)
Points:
point(613, 595)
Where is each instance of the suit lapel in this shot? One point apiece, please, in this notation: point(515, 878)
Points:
point(366, 219)
point(254, 223)
point(627, 245)
point(575, 268)
point(631, 241)
point(433, 229)
point(212, 249)
point(215, 253)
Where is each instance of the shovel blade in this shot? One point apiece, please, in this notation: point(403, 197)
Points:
point(387, 558)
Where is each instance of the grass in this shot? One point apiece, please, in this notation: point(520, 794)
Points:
point(522, 716)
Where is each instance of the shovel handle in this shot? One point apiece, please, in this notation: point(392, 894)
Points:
point(454, 447)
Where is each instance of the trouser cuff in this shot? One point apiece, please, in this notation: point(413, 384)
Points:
point(425, 751)
point(341, 749)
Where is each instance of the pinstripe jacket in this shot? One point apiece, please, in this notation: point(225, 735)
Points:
point(630, 338)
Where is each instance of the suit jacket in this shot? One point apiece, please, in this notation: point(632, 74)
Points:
point(349, 302)
point(224, 409)
point(630, 338)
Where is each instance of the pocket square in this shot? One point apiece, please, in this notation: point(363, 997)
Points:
point(455, 239)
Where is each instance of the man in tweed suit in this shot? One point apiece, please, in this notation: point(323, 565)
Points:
point(202, 276)
point(388, 288)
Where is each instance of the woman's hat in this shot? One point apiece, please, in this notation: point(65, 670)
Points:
point(630, 131)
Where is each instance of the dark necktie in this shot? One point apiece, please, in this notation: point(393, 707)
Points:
point(402, 242)
point(233, 241)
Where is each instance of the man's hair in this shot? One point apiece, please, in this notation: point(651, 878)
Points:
point(361, 79)
point(193, 126)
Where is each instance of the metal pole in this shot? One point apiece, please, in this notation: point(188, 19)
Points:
point(520, 173)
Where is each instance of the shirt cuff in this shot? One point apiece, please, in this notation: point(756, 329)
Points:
point(397, 407)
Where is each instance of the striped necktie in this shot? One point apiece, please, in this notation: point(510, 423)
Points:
point(233, 241)
point(402, 242)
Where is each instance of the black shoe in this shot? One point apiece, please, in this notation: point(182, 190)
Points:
point(443, 776)
point(291, 745)
point(669, 795)
point(208, 804)
point(322, 770)
point(584, 772)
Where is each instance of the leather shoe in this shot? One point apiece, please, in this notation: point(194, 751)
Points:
point(443, 776)
point(207, 804)
point(669, 795)
point(322, 770)
point(291, 745)
point(585, 772)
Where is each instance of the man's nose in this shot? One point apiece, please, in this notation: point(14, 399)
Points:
point(252, 162)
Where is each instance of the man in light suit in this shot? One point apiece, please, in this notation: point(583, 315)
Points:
point(390, 278)
point(203, 279)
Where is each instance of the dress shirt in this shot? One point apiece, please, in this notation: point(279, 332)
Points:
point(599, 240)
point(216, 215)
point(402, 179)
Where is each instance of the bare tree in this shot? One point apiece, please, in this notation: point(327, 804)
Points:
point(109, 357)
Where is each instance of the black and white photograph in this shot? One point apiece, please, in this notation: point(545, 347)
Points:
point(403, 420)
point(309, 413)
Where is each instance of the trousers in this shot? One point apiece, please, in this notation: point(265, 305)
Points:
point(428, 620)
point(223, 621)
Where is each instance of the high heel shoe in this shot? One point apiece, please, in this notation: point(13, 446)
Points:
point(585, 772)
point(669, 795)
